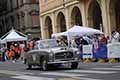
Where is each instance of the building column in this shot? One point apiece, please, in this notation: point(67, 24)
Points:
point(67, 18)
point(112, 20)
point(4, 24)
point(26, 19)
point(27, 22)
point(106, 25)
point(57, 28)
point(10, 22)
point(1, 28)
point(16, 21)
point(42, 28)
point(83, 14)
point(20, 21)
point(53, 23)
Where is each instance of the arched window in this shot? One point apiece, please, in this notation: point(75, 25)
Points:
point(35, 18)
point(95, 15)
point(48, 27)
point(76, 18)
point(61, 22)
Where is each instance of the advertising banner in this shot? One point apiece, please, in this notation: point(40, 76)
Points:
point(87, 51)
point(101, 52)
point(113, 50)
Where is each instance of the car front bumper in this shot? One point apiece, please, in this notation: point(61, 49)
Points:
point(62, 62)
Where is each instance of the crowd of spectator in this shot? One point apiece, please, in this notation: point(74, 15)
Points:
point(78, 41)
point(15, 50)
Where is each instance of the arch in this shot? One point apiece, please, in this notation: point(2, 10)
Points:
point(95, 15)
point(61, 22)
point(48, 27)
point(114, 10)
point(76, 18)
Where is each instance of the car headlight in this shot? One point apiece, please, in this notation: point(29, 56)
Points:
point(51, 54)
point(51, 57)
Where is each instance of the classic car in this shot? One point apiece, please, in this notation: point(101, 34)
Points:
point(47, 53)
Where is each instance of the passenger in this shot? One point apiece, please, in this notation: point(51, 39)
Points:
point(62, 43)
point(83, 41)
point(73, 44)
point(77, 41)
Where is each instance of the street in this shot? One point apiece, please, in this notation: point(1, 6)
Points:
point(85, 71)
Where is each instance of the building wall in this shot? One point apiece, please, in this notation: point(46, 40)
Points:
point(20, 14)
point(105, 19)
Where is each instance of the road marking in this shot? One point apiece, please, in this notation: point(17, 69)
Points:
point(81, 78)
point(88, 79)
point(43, 78)
point(107, 69)
point(14, 72)
point(91, 71)
point(62, 74)
point(116, 66)
point(68, 79)
point(32, 78)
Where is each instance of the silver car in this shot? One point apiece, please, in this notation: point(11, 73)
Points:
point(47, 53)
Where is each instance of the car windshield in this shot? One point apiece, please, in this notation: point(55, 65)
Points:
point(50, 43)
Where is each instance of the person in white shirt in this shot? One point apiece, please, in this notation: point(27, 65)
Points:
point(115, 36)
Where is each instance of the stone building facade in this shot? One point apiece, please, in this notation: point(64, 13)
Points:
point(22, 15)
point(60, 15)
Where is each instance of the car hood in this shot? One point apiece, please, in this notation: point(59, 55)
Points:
point(56, 49)
point(61, 49)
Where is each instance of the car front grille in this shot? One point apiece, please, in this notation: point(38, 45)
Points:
point(63, 55)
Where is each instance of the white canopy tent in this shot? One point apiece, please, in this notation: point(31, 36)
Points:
point(82, 31)
point(78, 31)
point(59, 34)
point(13, 35)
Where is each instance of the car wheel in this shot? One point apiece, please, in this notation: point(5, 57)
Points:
point(24, 61)
point(74, 65)
point(44, 65)
point(29, 67)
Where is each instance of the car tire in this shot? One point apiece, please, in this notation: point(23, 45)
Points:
point(29, 67)
point(24, 61)
point(74, 65)
point(45, 65)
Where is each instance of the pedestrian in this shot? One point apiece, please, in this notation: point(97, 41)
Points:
point(103, 40)
point(11, 55)
point(115, 36)
point(17, 51)
point(3, 48)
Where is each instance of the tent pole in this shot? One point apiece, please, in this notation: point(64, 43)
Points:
point(68, 38)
